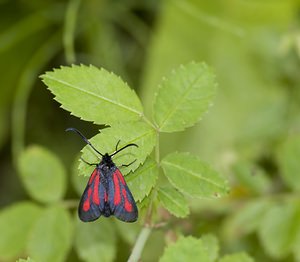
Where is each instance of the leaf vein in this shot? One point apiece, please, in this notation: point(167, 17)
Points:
point(135, 174)
point(172, 200)
point(95, 95)
point(179, 101)
point(194, 174)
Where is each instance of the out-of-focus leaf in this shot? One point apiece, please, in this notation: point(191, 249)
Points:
point(296, 249)
point(79, 182)
point(16, 223)
point(137, 132)
point(183, 97)
point(3, 126)
point(94, 94)
point(155, 250)
point(245, 220)
point(43, 174)
point(279, 229)
point(28, 77)
point(24, 28)
point(288, 156)
point(193, 176)
point(252, 177)
point(250, 107)
point(128, 231)
point(212, 245)
point(96, 241)
point(186, 249)
point(238, 257)
point(51, 236)
point(25, 260)
point(143, 179)
point(173, 201)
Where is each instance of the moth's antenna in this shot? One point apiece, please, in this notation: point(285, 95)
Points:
point(83, 138)
point(117, 151)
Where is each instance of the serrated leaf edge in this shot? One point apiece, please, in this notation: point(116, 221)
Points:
point(225, 187)
point(133, 174)
point(164, 79)
point(160, 191)
point(93, 94)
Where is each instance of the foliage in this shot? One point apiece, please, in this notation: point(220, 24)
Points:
point(43, 175)
point(185, 172)
point(250, 136)
point(200, 179)
point(204, 249)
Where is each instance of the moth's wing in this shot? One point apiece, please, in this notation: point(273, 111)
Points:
point(121, 202)
point(91, 204)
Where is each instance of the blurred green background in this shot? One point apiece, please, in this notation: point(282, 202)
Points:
point(251, 134)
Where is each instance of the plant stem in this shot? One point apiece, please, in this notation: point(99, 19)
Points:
point(147, 228)
point(139, 244)
point(25, 85)
point(69, 30)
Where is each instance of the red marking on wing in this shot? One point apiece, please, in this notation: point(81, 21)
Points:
point(105, 197)
point(128, 205)
point(86, 204)
point(120, 176)
point(96, 198)
point(93, 176)
point(117, 196)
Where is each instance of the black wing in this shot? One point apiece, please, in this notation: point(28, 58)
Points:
point(120, 199)
point(92, 204)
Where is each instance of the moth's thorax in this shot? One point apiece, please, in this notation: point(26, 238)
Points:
point(106, 163)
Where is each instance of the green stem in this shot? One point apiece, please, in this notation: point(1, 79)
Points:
point(145, 232)
point(25, 85)
point(139, 244)
point(157, 159)
point(69, 30)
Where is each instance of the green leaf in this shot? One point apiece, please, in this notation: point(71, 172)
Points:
point(136, 132)
point(79, 182)
point(93, 94)
point(279, 229)
point(211, 245)
point(43, 174)
point(142, 180)
point(192, 176)
point(96, 241)
point(51, 237)
point(183, 97)
point(238, 257)
point(186, 249)
point(173, 201)
point(16, 222)
point(296, 245)
point(288, 158)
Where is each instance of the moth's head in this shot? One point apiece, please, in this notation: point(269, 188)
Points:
point(107, 161)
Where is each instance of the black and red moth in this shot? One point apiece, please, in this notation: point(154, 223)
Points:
point(106, 192)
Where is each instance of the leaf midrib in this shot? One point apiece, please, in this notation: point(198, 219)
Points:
point(135, 174)
point(194, 174)
point(172, 200)
point(95, 95)
point(182, 98)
